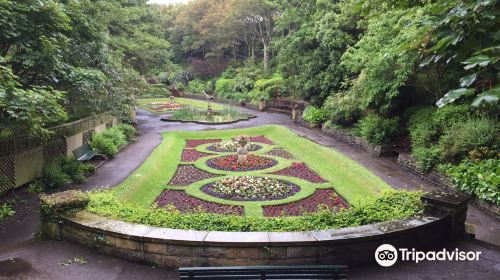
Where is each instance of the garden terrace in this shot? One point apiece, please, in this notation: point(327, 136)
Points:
point(293, 177)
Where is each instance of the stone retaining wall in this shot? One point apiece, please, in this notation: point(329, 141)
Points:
point(409, 164)
point(358, 142)
point(443, 220)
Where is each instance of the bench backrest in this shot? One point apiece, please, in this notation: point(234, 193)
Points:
point(265, 272)
point(82, 150)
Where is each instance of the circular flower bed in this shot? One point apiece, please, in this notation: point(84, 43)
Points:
point(230, 163)
point(231, 146)
point(248, 188)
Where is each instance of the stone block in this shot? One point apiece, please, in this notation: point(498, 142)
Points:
point(155, 248)
point(126, 244)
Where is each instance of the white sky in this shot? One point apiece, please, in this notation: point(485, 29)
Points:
point(166, 2)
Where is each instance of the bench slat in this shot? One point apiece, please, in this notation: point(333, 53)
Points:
point(266, 272)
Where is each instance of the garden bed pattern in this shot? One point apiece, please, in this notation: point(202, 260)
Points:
point(279, 152)
point(199, 142)
point(249, 188)
point(251, 147)
point(188, 204)
point(301, 171)
point(320, 198)
point(192, 155)
point(279, 188)
point(230, 163)
point(187, 174)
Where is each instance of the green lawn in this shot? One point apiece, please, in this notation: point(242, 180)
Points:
point(355, 183)
point(185, 101)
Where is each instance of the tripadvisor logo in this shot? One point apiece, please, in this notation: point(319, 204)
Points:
point(387, 255)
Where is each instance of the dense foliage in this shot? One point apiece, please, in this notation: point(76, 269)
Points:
point(71, 59)
point(481, 179)
point(390, 206)
point(111, 140)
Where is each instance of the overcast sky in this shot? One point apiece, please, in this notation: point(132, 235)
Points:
point(167, 1)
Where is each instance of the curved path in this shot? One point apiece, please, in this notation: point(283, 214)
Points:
point(23, 256)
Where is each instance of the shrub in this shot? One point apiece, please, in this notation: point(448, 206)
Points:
point(417, 115)
point(180, 86)
point(104, 145)
point(87, 168)
point(448, 115)
point(314, 115)
point(156, 90)
point(36, 187)
point(54, 177)
point(472, 134)
point(53, 205)
point(224, 87)
point(427, 158)
point(72, 168)
point(481, 179)
point(343, 109)
point(265, 89)
point(115, 134)
point(389, 206)
point(376, 129)
point(6, 211)
point(128, 131)
point(197, 86)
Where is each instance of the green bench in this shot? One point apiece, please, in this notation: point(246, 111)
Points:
point(85, 152)
point(265, 272)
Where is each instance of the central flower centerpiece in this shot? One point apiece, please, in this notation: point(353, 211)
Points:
point(249, 188)
point(230, 163)
point(232, 146)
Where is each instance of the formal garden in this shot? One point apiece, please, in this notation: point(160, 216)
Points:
point(306, 126)
point(196, 180)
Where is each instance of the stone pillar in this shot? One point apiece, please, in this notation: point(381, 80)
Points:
point(296, 113)
point(262, 105)
point(452, 203)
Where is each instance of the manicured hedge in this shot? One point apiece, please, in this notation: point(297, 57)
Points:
point(389, 206)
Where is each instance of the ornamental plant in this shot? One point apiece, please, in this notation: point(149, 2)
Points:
point(251, 188)
point(314, 115)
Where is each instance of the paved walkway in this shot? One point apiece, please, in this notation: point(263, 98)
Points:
point(24, 256)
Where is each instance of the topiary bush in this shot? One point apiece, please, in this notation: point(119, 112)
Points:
point(481, 179)
point(51, 206)
point(314, 115)
point(378, 130)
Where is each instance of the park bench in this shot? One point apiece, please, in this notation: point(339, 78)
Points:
point(265, 272)
point(85, 152)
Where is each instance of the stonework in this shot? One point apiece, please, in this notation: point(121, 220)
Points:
point(443, 219)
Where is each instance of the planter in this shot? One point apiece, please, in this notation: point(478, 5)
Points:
point(262, 105)
point(296, 113)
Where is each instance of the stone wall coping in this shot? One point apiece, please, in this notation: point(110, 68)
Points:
point(95, 223)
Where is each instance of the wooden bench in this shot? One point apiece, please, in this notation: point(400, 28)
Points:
point(265, 272)
point(84, 153)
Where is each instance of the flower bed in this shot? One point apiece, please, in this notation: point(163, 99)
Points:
point(248, 188)
point(161, 106)
point(185, 175)
point(321, 198)
point(188, 204)
point(279, 152)
point(261, 139)
point(198, 142)
point(302, 171)
point(191, 155)
point(232, 146)
point(230, 163)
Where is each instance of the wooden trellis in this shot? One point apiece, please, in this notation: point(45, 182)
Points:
point(22, 157)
